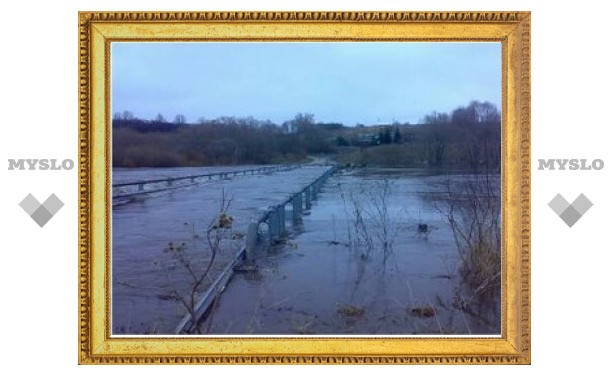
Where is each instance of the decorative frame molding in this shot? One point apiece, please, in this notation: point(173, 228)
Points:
point(98, 29)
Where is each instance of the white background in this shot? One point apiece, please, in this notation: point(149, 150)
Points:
point(571, 268)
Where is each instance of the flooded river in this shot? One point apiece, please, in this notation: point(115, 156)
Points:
point(359, 264)
point(146, 275)
point(373, 256)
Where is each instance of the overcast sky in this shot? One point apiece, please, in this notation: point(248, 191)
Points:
point(364, 82)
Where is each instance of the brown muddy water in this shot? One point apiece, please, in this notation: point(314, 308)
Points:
point(359, 264)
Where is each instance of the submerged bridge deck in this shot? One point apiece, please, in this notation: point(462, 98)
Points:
point(143, 276)
point(124, 191)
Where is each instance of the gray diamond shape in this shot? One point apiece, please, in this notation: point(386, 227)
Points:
point(570, 216)
point(570, 213)
point(582, 204)
point(53, 204)
point(29, 204)
point(41, 213)
point(42, 216)
point(558, 204)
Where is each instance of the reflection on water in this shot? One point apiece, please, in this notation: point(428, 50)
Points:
point(373, 256)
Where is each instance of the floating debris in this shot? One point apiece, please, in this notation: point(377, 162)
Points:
point(335, 242)
point(245, 268)
point(351, 311)
point(443, 276)
point(237, 236)
point(424, 312)
point(224, 221)
point(423, 228)
point(167, 297)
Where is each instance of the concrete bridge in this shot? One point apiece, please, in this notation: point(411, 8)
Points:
point(174, 209)
point(133, 189)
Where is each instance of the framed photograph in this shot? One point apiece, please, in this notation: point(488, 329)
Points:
point(304, 187)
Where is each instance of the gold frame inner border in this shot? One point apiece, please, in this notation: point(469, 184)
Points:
point(98, 29)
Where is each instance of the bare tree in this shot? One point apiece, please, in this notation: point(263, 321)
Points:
point(127, 115)
point(302, 121)
point(187, 256)
point(485, 112)
point(476, 113)
point(436, 118)
point(371, 227)
point(472, 209)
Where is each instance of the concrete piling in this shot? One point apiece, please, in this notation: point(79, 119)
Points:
point(273, 231)
point(315, 189)
point(251, 242)
point(308, 196)
point(281, 219)
point(296, 204)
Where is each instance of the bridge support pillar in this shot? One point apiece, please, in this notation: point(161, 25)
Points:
point(274, 226)
point(281, 219)
point(296, 204)
point(251, 242)
point(308, 197)
point(315, 189)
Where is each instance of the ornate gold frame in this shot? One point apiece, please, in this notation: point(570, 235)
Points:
point(98, 29)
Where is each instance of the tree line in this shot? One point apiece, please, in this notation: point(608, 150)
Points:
point(223, 141)
point(469, 136)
